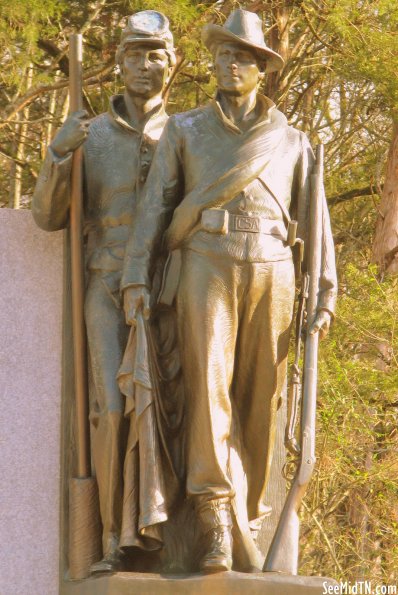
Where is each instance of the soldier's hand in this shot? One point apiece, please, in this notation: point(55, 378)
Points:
point(321, 324)
point(72, 133)
point(135, 299)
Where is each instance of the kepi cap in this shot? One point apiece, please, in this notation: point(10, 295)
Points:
point(148, 26)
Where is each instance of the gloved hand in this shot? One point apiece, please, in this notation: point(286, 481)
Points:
point(72, 133)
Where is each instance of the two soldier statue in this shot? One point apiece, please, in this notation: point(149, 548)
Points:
point(192, 241)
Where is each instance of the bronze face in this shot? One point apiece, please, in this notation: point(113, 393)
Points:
point(145, 69)
point(237, 69)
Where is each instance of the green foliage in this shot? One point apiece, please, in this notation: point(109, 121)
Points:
point(180, 13)
point(21, 24)
point(367, 40)
point(351, 506)
point(25, 20)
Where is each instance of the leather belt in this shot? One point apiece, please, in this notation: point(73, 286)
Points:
point(221, 221)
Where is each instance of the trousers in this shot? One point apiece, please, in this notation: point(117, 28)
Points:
point(107, 334)
point(234, 320)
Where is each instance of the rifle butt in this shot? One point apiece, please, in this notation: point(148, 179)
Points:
point(283, 552)
point(84, 527)
point(282, 555)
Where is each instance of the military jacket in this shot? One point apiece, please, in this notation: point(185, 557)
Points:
point(117, 158)
point(204, 161)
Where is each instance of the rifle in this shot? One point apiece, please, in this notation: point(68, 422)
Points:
point(84, 524)
point(294, 390)
point(283, 552)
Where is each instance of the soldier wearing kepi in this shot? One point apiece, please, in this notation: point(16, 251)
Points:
point(228, 179)
point(118, 149)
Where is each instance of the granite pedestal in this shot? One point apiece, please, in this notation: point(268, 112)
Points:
point(31, 305)
point(223, 583)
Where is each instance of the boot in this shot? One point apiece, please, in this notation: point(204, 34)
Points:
point(113, 557)
point(111, 562)
point(216, 522)
point(218, 557)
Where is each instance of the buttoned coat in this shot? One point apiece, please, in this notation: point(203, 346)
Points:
point(117, 159)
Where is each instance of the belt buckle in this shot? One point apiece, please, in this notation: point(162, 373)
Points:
point(245, 223)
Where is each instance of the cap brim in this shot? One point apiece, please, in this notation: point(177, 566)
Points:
point(215, 34)
point(155, 41)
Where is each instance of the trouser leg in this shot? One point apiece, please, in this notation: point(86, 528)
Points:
point(207, 317)
point(107, 336)
point(261, 361)
point(234, 325)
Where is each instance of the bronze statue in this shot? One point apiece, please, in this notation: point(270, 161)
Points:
point(226, 184)
point(118, 150)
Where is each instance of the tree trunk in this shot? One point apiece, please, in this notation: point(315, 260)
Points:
point(51, 114)
point(385, 246)
point(18, 146)
point(279, 42)
point(21, 130)
point(308, 108)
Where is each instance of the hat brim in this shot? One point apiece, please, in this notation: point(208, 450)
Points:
point(213, 35)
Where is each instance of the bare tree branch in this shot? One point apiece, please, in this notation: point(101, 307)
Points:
point(349, 195)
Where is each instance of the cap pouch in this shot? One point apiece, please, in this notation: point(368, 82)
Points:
point(215, 220)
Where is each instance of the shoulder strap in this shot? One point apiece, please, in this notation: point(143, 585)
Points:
point(280, 204)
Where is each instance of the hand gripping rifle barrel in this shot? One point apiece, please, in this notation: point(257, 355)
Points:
point(283, 552)
point(84, 525)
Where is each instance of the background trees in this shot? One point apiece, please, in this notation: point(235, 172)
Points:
point(339, 86)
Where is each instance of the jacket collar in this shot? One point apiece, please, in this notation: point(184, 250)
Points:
point(153, 127)
point(268, 114)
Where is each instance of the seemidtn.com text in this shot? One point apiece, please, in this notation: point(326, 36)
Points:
point(359, 588)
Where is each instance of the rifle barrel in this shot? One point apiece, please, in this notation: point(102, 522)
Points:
point(308, 414)
point(77, 267)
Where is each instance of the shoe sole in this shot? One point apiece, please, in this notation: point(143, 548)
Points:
point(211, 568)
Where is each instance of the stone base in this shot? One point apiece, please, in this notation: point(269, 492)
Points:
point(31, 273)
point(223, 583)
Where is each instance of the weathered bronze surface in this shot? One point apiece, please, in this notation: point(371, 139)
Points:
point(225, 184)
point(117, 152)
point(225, 199)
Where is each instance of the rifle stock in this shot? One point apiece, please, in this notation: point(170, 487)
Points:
point(283, 552)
